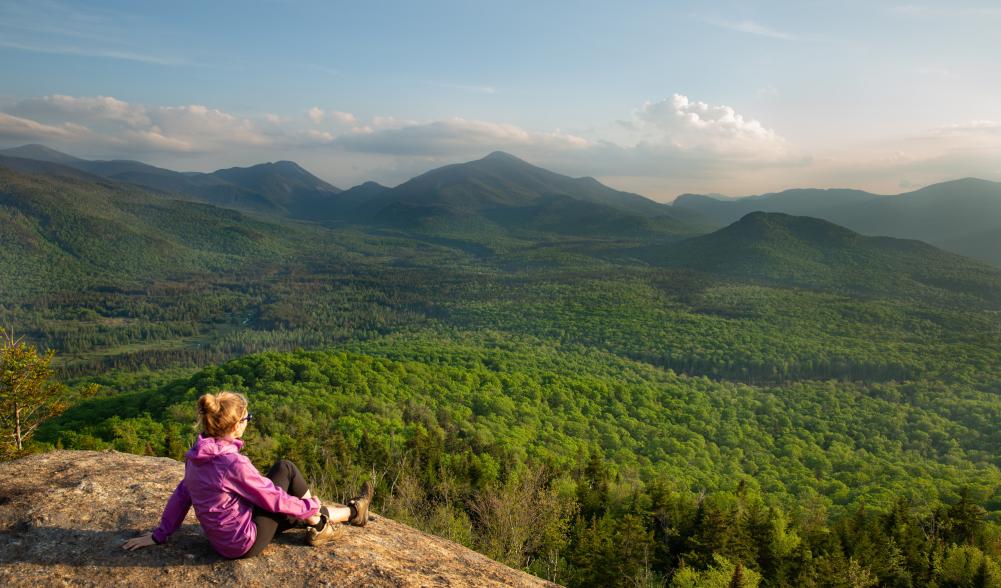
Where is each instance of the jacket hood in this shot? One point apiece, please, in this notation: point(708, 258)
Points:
point(208, 448)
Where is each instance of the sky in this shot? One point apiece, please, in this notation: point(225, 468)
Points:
point(659, 98)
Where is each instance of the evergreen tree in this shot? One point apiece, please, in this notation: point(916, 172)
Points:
point(737, 581)
point(966, 518)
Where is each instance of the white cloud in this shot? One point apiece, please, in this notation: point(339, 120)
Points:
point(320, 137)
point(85, 109)
point(452, 136)
point(338, 119)
point(123, 127)
point(669, 137)
point(23, 129)
point(208, 127)
point(695, 126)
point(153, 139)
point(391, 122)
point(343, 118)
point(316, 115)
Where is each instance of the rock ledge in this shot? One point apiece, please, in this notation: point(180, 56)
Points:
point(65, 514)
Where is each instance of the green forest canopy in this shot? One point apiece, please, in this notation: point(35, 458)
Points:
point(651, 404)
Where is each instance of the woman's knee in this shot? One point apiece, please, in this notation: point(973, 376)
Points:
point(282, 466)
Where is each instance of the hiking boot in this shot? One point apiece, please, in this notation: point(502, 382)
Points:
point(327, 532)
point(359, 505)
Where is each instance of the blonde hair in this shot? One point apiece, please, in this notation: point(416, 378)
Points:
point(219, 413)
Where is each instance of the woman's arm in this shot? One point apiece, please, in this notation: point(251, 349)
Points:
point(173, 515)
point(246, 481)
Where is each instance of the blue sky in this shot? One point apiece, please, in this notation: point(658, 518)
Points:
point(655, 97)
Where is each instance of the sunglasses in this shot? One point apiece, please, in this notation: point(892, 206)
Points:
point(248, 418)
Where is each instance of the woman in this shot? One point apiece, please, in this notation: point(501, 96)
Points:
point(241, 511)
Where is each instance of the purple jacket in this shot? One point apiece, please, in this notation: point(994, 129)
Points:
point(224, 487)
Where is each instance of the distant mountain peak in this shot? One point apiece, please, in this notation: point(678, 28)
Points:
point(286, 164)
point(806, 228)
point(503, 156)
point(688, 198)
point(761, 216)
point(41, 153)
point(814, 253)
point(503, 191)
point(371, 184)
point(362, 192)
point(278, 166)
point(968, 182)
point(972, 180)
point(252, 176)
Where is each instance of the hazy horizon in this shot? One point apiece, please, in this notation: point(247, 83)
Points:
point(658, 99)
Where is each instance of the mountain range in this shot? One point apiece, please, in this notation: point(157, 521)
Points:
point(501, 194)
point(502, 191)
point(497, 192)
point(74, 227)
point(281, 187)
point(963, 216)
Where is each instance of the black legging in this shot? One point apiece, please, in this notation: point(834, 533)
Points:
point(287, 477)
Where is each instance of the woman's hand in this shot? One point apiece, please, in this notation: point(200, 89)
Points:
point(139, 542)
point(315, 519)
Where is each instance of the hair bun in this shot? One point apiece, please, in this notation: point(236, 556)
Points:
point(208, 404)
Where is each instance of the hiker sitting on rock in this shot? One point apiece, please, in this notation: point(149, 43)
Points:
point(240, 510)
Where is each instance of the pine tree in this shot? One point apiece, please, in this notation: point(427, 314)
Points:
point(737, 581)
point(966, 518)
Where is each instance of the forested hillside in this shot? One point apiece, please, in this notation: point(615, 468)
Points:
point(813, 253)
point(782, 400)
point(282, 188)
point(609, 459)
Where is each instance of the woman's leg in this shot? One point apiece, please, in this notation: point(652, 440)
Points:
point(339, 514)
point(285, 471)
point(286, 476)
